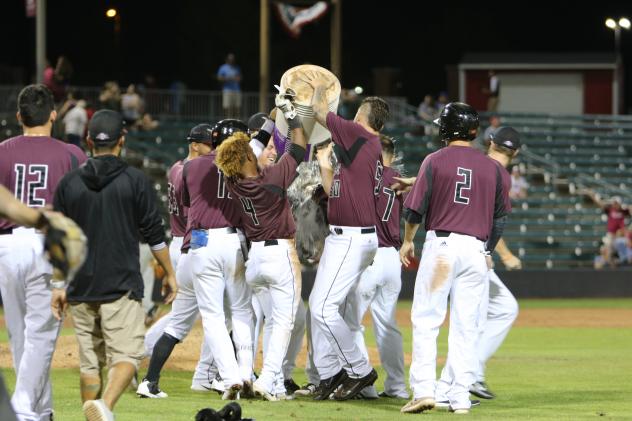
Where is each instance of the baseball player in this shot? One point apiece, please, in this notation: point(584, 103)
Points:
point(31, 166)
point(464, 198)
point(173, 328)
point(216, 255)
point(268, 223)
point(381, 282)
point(17, 212)
point(352, 243)
point(501, 308)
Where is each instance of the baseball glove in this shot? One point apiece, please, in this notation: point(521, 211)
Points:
point(65, 244)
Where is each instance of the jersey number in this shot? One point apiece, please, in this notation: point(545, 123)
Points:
point(32, 187)
point(466, 184)
point(221, 186)
point(249, 208)
point(335, 189)
point(173, 203)
point(389, 205)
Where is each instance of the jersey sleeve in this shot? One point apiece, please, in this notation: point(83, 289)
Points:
point(416, 204)
point(343, 132)
point(502, 205)
point(283, 173)
point(77, 156)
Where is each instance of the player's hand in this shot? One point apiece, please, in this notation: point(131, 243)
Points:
point(490, 262)
point(406, 252)
point(402, 184)
point(169, 288)
point(58, 303)
point(316, 80)
point(512, 263)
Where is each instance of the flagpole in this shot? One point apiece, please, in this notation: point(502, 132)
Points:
point(40, 40)
point(264, 55)
point(336, 38)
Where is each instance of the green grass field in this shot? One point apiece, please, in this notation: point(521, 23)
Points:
point(540, 373)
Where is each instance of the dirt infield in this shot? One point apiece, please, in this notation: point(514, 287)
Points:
point(186, 354)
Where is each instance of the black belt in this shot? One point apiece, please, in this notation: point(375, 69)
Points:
point(362, 231)
point(270, 243)
point(447, 234)
point(6, 231)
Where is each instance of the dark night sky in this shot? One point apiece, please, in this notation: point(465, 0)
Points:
point(188, 39)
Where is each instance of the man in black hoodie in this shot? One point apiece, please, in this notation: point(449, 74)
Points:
point(115, 205)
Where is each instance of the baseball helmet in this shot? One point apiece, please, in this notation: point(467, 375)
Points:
point(201, 133)
point(226, 128)
point(457, 121)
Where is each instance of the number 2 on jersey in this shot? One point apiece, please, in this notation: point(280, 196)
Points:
point(466, 184)
point(32, 186)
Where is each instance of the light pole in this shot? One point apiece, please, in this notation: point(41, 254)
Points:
point(114, 15)
point(616, 26)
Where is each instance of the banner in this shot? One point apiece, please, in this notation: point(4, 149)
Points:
point(294, 18)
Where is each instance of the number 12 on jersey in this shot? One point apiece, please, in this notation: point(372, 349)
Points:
point(466, 184)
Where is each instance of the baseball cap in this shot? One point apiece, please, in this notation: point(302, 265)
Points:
point(201, 133)
point(106, 126)
point(507, 137)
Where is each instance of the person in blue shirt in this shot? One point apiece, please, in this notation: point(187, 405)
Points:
point(229, 75)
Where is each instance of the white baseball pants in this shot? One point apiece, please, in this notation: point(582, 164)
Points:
point(454, 266)
point(274, 269)
point(378, 290)
point(218, 275)
point(345, 257)
point(26, 295)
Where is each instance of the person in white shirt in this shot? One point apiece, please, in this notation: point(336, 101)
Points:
point(75, 122)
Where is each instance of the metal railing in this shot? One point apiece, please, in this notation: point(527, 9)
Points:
point(187, 104)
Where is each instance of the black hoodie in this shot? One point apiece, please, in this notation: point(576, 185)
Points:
point(115, 205)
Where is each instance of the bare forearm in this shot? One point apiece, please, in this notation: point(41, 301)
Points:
point(319, 105)
point(162, 256)
point(298, 137)
point(502, 249)
point(16, 211)
point(409, 231)
point(327, 174)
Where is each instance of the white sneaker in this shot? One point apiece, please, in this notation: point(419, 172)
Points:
point(260, 391)
point(147, 389)
point(97, 411)
point(284, 397)
point(216, 385)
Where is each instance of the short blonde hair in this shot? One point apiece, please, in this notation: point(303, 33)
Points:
point(232, 154)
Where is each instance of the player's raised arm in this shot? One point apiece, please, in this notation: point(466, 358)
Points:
point(319, 100)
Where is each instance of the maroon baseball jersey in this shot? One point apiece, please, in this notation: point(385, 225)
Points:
point(204, 192)
point(177, 211)
point(358, 175)
point(389, 209)
point(461, 190)
point(31, 167)
point(266, 209)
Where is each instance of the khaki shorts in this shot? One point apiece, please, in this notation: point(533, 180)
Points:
point(109, 333)
point(231, 99)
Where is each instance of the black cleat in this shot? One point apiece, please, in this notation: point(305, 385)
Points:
point(481, 390)
point(352, 387)
point(328, 386)
point(290, 386)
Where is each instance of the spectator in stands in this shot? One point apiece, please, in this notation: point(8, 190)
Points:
point(131, 105)
point(75, 122)
point(229, 74)
point(57, 79)
point(519, 184)
point(603, 258)
point(492, 92)
point(146, 123)
point(615, 210)
point(494, 124)
point(110, 97)
point(442, 100)
point(623, 246)
point(427, 111)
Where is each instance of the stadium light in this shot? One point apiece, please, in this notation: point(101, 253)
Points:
point(611, 23)
point(111, 13)
point(624, 23)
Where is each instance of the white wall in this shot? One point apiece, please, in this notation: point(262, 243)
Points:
point(560, 93)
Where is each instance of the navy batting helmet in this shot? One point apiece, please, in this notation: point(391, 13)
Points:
point(201, 133)
point(457, 121)
point(225, 128)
